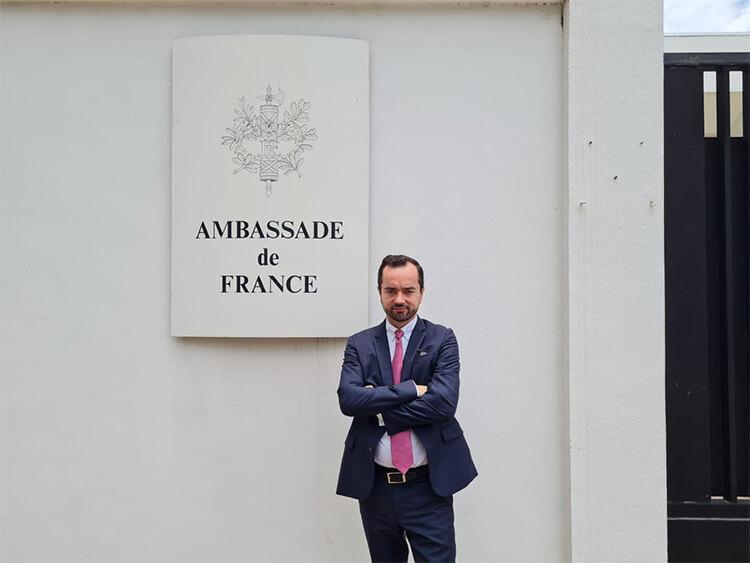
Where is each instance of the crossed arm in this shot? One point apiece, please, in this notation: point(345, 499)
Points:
point(401, 405)
point(357, 398)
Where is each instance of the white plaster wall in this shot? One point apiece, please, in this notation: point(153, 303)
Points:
point(120, 443)
point(615, 179)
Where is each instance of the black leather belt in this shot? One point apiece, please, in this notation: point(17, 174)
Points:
point(395, 477)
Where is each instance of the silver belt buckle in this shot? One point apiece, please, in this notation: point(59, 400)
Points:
point(396, 478)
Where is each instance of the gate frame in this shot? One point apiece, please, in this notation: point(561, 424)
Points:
point(700, 529)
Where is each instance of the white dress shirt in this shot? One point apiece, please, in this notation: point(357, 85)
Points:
point(383, 449)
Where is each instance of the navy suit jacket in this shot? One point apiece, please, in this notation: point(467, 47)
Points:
point(431, 359)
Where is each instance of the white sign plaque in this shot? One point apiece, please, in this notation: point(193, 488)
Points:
point(270, 170)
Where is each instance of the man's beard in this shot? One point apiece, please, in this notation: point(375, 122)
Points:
point(402, 314)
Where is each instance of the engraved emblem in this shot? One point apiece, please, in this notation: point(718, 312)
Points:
point(259, 142)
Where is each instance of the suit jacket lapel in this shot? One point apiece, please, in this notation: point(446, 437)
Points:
point(384, 354)
point(415, 343)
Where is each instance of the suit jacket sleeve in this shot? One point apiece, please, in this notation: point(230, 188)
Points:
point(357, 400)
point(439, 403)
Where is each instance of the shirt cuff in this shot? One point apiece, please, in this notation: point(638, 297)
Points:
point(381, 422)
point(415, 387)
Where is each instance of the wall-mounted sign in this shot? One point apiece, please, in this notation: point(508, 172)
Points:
point(270, 168)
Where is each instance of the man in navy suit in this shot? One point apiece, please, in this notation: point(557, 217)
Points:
point(405, 453)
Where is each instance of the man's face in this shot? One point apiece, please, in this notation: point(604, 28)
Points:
point(400, 294)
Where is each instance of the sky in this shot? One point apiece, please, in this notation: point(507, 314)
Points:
point(705, 16)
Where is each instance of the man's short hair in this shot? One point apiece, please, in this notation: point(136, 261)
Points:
point(397, 261)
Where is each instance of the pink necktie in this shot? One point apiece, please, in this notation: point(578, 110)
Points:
point(401, 454)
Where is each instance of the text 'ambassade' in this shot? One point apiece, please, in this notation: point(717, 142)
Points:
point(272, 229)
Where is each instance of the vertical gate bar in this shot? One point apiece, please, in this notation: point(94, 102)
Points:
point(686, 291)
point(723, 133)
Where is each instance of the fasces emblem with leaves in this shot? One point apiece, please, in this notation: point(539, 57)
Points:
point(258, 142)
